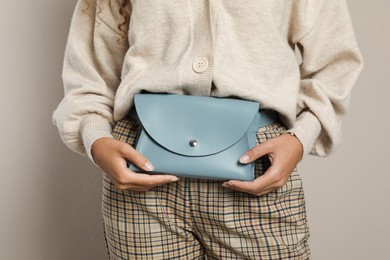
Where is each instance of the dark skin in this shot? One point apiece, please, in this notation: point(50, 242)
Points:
point(284, 152)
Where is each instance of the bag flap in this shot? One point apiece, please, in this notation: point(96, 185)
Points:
point(173, 120)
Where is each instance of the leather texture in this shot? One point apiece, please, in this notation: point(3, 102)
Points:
point(198, 136)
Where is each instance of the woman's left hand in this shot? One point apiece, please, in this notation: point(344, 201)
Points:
point(284, 152)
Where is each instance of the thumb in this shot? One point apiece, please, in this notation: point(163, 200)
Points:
point(256, 152)
point(137, 158)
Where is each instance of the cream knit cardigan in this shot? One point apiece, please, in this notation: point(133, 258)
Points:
point(245, 49)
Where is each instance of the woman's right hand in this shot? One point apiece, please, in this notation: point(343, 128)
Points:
point(111, 154)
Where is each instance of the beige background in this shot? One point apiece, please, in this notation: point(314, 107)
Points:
point(50, 197)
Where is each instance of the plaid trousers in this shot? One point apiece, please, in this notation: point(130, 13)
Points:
point(200, 219)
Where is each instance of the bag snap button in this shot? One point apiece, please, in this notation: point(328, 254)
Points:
point(193, 143)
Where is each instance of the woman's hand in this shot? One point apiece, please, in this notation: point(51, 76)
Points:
point(110, 155)
point(284, 152)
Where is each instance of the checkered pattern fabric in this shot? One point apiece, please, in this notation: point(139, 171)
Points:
point(200, 219)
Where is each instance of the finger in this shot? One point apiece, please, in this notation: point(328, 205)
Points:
point(127, 179)
point(136, 157)
point(257, 193)
point(266, 191)
point(256, 152)
point(263, 192)
point(243, 188)
point(265, 181)
point(145, 182)
point(149, 180)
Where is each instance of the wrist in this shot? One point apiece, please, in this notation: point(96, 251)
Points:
point(306, 129)
point(299, 141)
point(95, 147)
point(94, 127)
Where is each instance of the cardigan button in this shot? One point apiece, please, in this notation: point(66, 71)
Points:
point(200, 64)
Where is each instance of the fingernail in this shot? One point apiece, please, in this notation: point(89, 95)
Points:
point(174, 179)
point(149, 166)
point(244, 158)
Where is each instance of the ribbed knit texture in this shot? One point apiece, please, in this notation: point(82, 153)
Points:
point(250, 48)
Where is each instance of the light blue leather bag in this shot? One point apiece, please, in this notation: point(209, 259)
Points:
point(198, 136)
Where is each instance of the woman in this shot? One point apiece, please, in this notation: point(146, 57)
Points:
point(247, 49)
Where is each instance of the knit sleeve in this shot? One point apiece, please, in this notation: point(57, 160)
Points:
point(331, 64)
point(94, 55)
